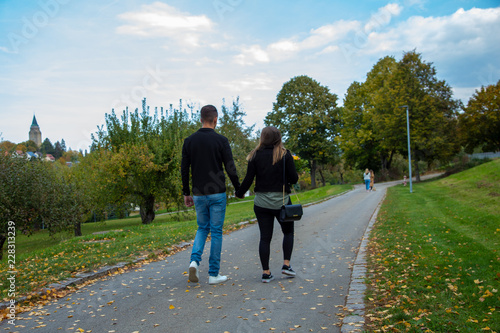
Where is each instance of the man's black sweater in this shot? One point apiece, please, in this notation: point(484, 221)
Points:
point(204, 153)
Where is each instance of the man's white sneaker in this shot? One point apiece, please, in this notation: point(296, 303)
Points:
point(193, 272)
point(217, 279)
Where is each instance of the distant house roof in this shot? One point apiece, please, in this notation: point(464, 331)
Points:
point(49, 157)
point(31, 155)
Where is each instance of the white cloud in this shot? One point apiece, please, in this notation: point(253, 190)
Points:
point(382, 17)
point(251, 54)
point(261, 81)
point(474, 31)
point(325, 38)
point(161, 20)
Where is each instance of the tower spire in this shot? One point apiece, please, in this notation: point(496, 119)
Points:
point(34, 123)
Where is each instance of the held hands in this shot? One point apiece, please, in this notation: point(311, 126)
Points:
point(188, 201)
point(236, 195)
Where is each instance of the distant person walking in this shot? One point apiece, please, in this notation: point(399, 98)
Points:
point(265, 164)
point(204, 153)
point(366, 177)
point(372, 179)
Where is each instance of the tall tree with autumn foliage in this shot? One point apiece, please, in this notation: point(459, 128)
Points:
point(479, 124)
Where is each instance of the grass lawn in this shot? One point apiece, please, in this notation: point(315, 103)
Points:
point(434, 256)
point(42, 260)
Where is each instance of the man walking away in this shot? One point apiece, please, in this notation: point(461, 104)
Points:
point(204, 153)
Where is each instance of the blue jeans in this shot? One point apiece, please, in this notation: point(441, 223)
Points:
point(367, 183)
point(210, 214)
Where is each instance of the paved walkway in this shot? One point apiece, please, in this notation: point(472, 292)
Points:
point(328, 256)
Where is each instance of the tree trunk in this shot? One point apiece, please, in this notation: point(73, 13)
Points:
point(417, 172)
point(3, 238)
point(147, 210)
point(386, 162)
point(313, 174)
point(322, 177)
point(390, 160)
point(78, 229)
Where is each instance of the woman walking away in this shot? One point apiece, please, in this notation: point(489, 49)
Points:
point(265, 164)
point(366, 177)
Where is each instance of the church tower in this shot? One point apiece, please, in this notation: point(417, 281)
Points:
point(35, 133)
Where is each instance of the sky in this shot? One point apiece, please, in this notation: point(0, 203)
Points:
point(70, 62)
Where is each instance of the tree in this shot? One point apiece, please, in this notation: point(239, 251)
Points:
point(35, 194)
point(479, 124)
point(47, 147)
point(232, 126)
point(58, 150)
point(138, 157)
point(20, 181)
point(7, 146)
point(27, 146)
point(374, 122)
point(307, 115)
point(72, 155)
point(432, 111)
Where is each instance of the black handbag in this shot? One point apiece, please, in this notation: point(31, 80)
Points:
point(289, 212)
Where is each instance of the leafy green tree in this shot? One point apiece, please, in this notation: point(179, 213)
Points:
point(432, 111)
point(139, 157)
point(47, 147)
point(72, 155)
point(241, 140)
point(58, 150)
point(374, 122)
point(35, 194)
point(357, 140)
point(28, 146)
point(307, 115)
point(20, 183)
point(479, 124)
point(7, 146)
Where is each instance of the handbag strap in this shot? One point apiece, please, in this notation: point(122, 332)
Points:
point(284, 182)
point(284, 177)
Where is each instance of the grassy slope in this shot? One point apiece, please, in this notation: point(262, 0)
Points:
point(435, 256)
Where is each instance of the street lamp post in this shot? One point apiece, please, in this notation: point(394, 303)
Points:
point(409, 151)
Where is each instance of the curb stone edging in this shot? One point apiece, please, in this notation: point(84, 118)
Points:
point(355, 303)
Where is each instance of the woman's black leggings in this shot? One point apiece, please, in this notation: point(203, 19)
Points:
point(265, 218)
